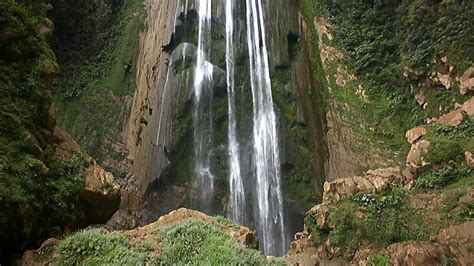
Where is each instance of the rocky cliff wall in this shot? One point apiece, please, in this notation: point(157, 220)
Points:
point(162, 151)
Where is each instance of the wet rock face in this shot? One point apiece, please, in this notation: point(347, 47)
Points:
point(157, 173)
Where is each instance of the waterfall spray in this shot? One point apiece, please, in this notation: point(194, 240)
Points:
point(237, 193)
point(203, 182)
point(270, 218)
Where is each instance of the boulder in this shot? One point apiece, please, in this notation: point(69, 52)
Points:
point(453, 118)
point(45, 255)
point(466, 81)
point(373, 181)
point(469, 159)
point(416, 159)
point(445, 80)
point(101, 192)
point(468, 107)
point(414, 253)
point(415, 134)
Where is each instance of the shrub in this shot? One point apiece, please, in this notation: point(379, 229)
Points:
point(97, 247)
point(380, 259)
point(444, 176)
point(198, 242)
point(380, 219)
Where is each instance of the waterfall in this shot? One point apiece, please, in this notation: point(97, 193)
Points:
point(203, 180)
point(237, 193)
point(269, 207)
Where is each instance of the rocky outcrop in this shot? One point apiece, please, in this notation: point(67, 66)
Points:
point(453, 118)
point(414, 134)
point(417, 158)
point(469, 159)
point(101, 191)
point(466, 81)
point(453, 243)
point(374, 181)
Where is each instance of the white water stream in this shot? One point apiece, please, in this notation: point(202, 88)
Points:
point(267, 162)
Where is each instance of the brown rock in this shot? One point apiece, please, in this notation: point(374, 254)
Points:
point(415, 134)
point(414, 253)
point(338, 189)
point(456, 242)
point(65, 145)
point(45, 255)
point(101, 192)
point(466, 81)
point(445, 80)
point(453, 118)
point(468, 107)
point(321, 211)
point(416, 158)
point(469, 159)
point(364, 184)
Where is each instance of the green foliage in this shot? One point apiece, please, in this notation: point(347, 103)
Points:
point(442, 177)
point(380, 259)
point(96, 247)
point(380, 219)
point(38, 190)
point(449, 143)
point(198, 242)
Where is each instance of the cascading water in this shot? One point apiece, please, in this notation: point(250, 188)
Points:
point(237, 193)
point(203, 182)
point(269, 207)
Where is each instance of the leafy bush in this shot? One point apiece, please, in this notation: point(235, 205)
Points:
point(97, 247)
point(380, 219)
point(380, 259)
point(198, 242)
point(444, 176)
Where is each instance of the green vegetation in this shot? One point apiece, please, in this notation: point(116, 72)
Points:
point(96, 247)
point(380, 259)
point(92, 93)
point(449, 143)
point(380, 40)
point(198, 242)
point(375, 220)
point(444, 176)
point(38, 189)
point(188, 242)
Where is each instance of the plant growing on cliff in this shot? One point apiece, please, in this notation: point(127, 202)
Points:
point(380, 219)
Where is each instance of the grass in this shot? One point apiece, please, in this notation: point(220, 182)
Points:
point(380, 259)
point(449, 143)
point(189, 242)
point(198, 242)
point(372, 219)
point(97, 247)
